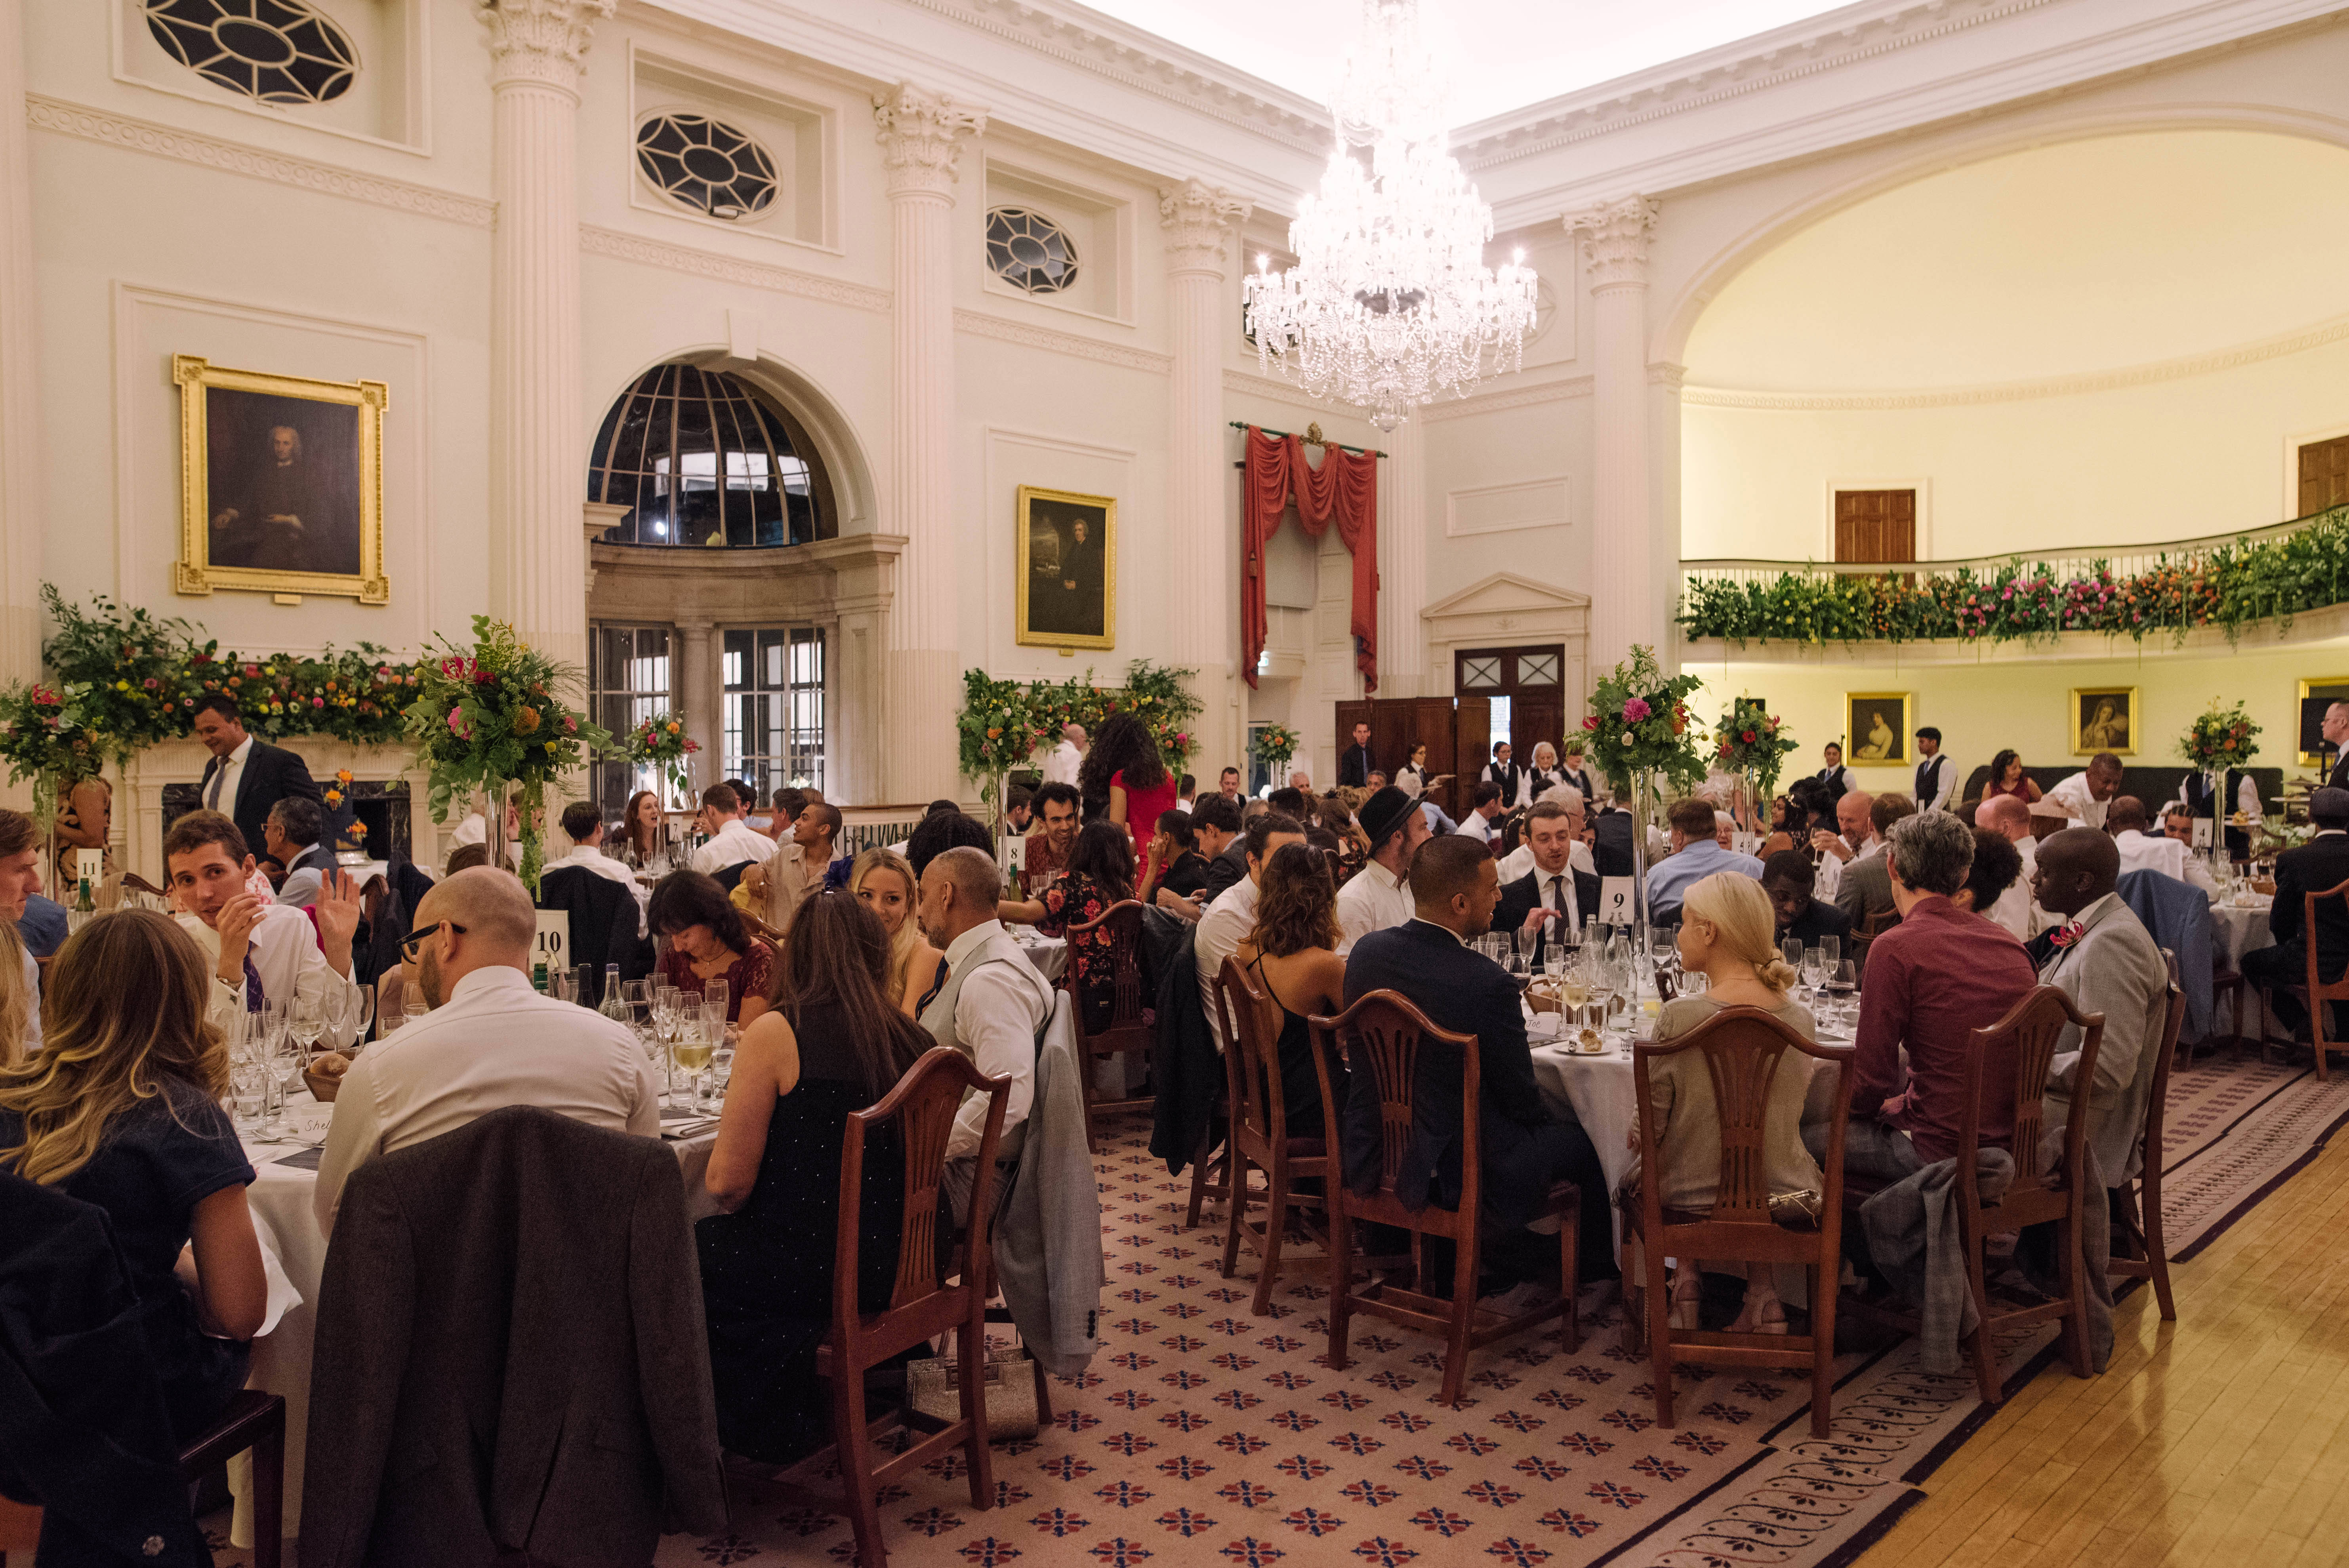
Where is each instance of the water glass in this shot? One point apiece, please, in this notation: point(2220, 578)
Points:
point(1831, 949)
point(1792, 950)
point(1815, 969)
point(248, 1095)
point(714, 998)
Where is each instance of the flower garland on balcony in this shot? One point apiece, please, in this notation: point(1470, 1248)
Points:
point(2228, 587)
point(1004, 723)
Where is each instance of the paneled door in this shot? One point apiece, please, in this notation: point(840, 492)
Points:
point(1876, 525)
point(1524, 690)
point(2323, 475)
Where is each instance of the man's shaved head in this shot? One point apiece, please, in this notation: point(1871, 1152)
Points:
point(2077, 867)
point(491, 904)
point(2007, 814)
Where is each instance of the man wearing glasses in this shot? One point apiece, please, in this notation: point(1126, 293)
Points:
point(490, 1041)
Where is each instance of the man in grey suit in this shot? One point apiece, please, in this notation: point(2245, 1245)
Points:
point(2106, 961)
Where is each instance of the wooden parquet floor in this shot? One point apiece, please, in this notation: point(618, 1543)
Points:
point(2221, 1438)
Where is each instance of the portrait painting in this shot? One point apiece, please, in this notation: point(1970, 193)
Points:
point(282, 483)
point(2315, 697)
point(1068, 569)
point(1876, 729)
point(2104, 719)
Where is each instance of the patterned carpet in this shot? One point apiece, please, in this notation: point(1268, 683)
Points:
point(1204, 1436)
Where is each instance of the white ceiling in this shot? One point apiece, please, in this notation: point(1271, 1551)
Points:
point(1502, 54)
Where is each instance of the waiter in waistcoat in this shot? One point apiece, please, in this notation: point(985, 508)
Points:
point(1505, 772)
point(2242, 795)
point(1937, 778)
point(1835, 775)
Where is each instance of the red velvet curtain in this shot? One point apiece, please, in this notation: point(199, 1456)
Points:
point(1343, 489)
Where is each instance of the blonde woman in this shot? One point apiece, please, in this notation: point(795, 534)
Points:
point(1727, 933)
point(121, 1108)
point(884, 882)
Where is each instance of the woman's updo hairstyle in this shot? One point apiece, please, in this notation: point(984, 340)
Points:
point(1739, 913)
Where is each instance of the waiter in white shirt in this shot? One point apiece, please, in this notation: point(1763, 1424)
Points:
point(1378, 897)
point(2084, 796)
point(1066, 759)
point(1937, 776)
point(731, 840)
point(584, 825)
point(490, 1041)
point(262, 953)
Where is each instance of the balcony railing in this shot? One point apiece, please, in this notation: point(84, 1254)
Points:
point(2226, 581)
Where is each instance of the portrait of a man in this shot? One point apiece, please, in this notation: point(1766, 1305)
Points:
point(1068, 573)
point(2104, 719)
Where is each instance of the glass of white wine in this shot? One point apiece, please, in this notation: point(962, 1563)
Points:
point(692, 1049)
point(1574, 997)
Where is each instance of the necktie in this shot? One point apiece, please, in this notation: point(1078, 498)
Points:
point(936, 986)
point(254, 998)
point(212, 800)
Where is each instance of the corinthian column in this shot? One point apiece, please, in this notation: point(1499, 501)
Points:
point(1402, 565)
point(1622, 587)
point(537, 469)
point(23, 517)
point(1199, 220)
point(921, 137)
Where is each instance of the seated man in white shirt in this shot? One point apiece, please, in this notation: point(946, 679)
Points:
point(2013, 910)
point(1518, 861)
point(1857, 839)
point(731, 840)
point(2087, 795)
point(584, 825)
point(2144, 852)
point(1484, 812)
point(992, 1006)
point(1230, 918)
point(490, 1041)
point(260, 952)
point(1378, 897)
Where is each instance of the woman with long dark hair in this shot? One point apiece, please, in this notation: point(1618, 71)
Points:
point(1123, 778)
point(1292, 955)
point(706, 939)
point(834, 1041)
point(2006, 777)
point(1174, 862)
point(641, 828)
point(1098, 875)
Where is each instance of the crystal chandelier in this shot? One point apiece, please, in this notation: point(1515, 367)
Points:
point(1390, 303)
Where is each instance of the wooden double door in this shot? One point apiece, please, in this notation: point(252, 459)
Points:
point(1524, 691)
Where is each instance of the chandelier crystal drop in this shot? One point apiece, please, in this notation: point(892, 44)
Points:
point(1390, 303)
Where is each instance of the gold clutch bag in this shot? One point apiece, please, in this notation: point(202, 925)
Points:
point(1009, 1383)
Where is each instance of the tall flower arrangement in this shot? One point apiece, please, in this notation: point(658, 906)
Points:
point(661, 743)
point(2220, 738)
point(493, 716)
point(1639, 724)
point(1751, 744)
point(50, 736)
point(1273, 744)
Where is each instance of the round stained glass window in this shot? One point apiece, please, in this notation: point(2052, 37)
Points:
point(1030, 252)
point(707, 164)
point(278, 51)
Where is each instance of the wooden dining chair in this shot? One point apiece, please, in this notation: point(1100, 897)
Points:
point(2028, 1035)
point(922, 1303)
point(1260, 1138)
point(1745, 1049)
point(2321, 993)
point(1129, 1031)
point(1382, 1035)
point(2140, 1208)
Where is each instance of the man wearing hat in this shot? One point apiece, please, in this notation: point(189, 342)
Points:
point(2316, 866)
point(1379, 896)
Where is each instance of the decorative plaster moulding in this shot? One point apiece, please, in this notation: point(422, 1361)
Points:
point(596, 241)
point(1506, 397)
point(1027, 335)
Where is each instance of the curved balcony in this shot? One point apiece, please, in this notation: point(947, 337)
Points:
point(2204, 592)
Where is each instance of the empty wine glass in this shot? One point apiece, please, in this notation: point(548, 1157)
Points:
point(1815, 969)
point(1831, 948)
point(1791, 949)
point(248, 1090)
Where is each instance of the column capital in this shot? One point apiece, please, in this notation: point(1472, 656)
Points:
point(1198, 219)
point(540, 40)
point(921, 137)
point(1615, 239)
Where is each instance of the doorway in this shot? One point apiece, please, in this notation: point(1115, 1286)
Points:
point(1524, 686)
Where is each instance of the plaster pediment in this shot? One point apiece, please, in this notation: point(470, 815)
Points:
point(1505, 597)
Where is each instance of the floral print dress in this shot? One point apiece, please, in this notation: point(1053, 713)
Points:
point(1075, 899)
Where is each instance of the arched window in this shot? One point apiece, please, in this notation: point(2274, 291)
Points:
point(703, 461)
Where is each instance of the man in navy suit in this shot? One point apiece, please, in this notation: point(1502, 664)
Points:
point(1524, 1146)
point(1553, 893)
point(246, 775)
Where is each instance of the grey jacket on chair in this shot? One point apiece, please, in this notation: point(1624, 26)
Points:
point(511, 1354)
point(1048, 1236)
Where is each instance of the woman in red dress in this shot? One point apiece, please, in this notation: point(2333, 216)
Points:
point(1125, 774)
point(2006, 779)
point(707, 940)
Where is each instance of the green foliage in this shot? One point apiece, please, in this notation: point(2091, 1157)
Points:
point(2220, 738)
point(51, 738)
point(661, 743)
point(1639, 724)
point(1273, 744)
point(1752, 743)
point(2230, 586)
point(1002, 722)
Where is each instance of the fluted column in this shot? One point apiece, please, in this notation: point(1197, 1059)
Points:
point(1199, 222)
point(702, 689)
point(1403, 564)
point(537, 467)
point(921, 138)
point(24, 518)
point(1622, 576)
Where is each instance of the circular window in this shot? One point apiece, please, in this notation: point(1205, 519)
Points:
point(1030, 252)
point(278, 51)
point(707, 164)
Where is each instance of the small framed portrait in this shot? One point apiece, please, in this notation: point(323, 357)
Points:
point(1068, 569)
point(1875, 724)
point(281, 484)
point(2315, 697)
point(2104, 719)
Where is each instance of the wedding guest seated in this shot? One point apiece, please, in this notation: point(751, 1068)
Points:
point(2178, 822)
point(1098, 877)
point(2085, 796)
point(1292, 954)
point(1726, 933)
point(946, 830)
point(1485, 808)
point(1864, 886)
point(1292, 801)
point(259, 952)
point(122, 1109)
point(20, 996)
point(1552, 894)
point(489, 1042)
point(2141, 851)
point(1997, 867)
point(2317, 866)
point(291, 833)
point(1047, 846)
point(885, 884)
point(992, 1005)
point(1379, 896)
point(1570, 799)
point(1697, 853)
point(466, 857)
point(704, 939)
point(2107, 962)
point(1724, 829)
point(1217, 822)
point(1174, 865)
point(2012, 911)
point(816, 836)
point(1224, 923)
point(834, 1042)
point(1523, 1148)
point(1350, 844)
point(732, 842)
point(1932, 980)
point(1788, 878)
point(2006, 779)
point(584, 825)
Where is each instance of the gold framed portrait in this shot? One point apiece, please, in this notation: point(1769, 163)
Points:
point(281, 484)
point(2315, 697)
point(1877, 731)
point(1068, 569)
point(2104, 719)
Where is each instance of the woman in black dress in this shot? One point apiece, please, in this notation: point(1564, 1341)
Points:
point(1292, 956)
point(834, 1042)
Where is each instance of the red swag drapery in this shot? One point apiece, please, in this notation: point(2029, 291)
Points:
point(1345, 489)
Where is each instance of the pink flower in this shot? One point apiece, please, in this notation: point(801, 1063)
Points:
point(152, 683)
point(317, 702)
point(1636, 710)
point(457, 726)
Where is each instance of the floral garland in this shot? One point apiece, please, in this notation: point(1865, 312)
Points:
point(2230, 587)
point(1753, 743)
point(354, 833)
point(1639, 722)
point(47, 736)
point(662, 742)
point(1004, 723)
point(2220, 738)
point(1273, 744)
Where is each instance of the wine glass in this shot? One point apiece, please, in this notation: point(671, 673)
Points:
point(1574, 995)
point(1815, 969)
point(714, 998)
point(1792, 950)
point(354, 1011)
point(691, 1049)
point(248, 1090)
point(1831, 948)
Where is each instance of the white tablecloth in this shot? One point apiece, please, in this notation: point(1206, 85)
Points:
point(1050, 955)
point(281, 1201)
point(2234, 932)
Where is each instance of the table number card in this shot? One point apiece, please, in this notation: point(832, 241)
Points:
point(554, 938)
point(2201, 840)
point(1615, 900)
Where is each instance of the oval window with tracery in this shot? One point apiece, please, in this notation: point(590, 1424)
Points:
point(710, 165)
point(1030, 252)
point(277, 51)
